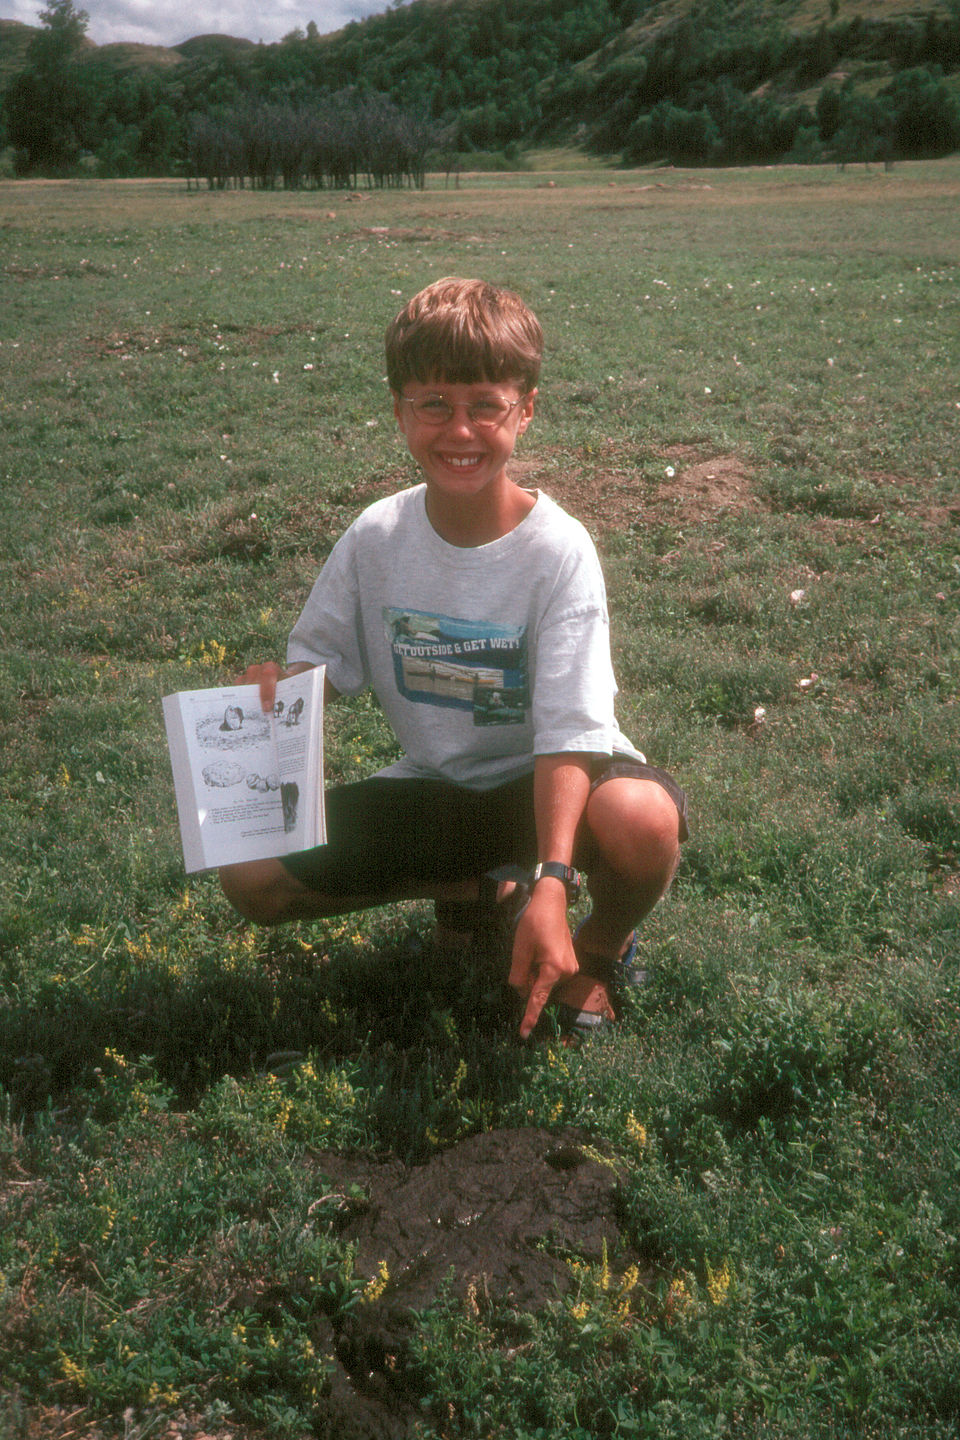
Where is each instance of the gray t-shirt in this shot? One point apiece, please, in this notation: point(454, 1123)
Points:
point(481, 658)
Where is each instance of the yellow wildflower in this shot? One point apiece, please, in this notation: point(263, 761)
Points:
point(73, 1372)
point(718, 1283)
point(375, 1287)
point(604, 1269)
point(636, 1131)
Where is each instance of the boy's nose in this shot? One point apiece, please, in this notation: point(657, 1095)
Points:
point(460, 419)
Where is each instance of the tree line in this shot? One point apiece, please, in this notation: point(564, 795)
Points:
point(329, 144)
point(716, 86)
point(917, 115)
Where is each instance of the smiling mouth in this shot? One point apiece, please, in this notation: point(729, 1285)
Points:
point(462, 462)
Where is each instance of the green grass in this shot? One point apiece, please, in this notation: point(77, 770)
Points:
point(192, 407)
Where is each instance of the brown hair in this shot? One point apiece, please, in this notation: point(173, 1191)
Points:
point(464, 331)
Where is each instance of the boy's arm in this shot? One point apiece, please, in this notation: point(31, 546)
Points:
point(267, 675)
point(543, 948)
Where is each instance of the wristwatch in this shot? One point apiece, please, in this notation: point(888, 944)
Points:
point(553, 868)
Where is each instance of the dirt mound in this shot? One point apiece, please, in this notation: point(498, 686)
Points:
point(694, 486)
point(493, 1218)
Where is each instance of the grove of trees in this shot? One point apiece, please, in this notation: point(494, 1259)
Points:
point(719, 84)
point(330, 143)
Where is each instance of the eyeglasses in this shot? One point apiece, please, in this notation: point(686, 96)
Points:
point(488, 413)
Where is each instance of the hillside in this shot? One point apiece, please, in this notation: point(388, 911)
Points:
point(14, 42)
point(126, 55)
point(212, 47)
point(697, 81)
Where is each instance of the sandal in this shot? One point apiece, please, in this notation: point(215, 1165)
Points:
point(625, 970)
point(584, 1005)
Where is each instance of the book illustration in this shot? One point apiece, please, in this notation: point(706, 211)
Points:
point(290, 800)
point(221, 774)
point(263, 783)
point(232, 729)
point(290, 715)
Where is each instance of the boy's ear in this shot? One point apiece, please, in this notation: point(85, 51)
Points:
point(526, 410)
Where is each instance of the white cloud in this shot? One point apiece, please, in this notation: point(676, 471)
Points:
point(171, 22)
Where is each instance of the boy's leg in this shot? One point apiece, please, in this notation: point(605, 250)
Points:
point(629, 847)
point(388, 840)
point(634, 827)
point(265, 892)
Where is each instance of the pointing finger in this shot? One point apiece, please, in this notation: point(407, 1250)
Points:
point(539, 995)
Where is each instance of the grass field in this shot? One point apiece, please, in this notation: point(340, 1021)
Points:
point(751, 396)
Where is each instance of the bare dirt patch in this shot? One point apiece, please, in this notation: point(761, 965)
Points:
point(494, 1218)
point(703, 486)
point(906, 495)
point(694, 487)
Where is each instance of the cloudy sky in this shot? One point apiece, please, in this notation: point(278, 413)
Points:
point(166, 22)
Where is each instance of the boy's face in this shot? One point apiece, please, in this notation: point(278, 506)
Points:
point(447, 430)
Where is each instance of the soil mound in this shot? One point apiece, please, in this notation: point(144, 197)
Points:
point(492, 1218)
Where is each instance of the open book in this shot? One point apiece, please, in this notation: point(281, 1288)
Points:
point(249, 784)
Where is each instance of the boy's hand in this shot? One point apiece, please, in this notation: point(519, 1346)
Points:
point(266, 676)
point(542, 950)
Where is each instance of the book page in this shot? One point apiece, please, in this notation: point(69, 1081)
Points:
point(229, 751)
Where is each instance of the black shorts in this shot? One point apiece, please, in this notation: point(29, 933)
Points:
point(388, 837)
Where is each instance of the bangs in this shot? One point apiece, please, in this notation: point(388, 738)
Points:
point(465, 332)
point(460, 360)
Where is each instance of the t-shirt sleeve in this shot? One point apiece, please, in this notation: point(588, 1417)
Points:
point(329, 631)
point(573, 681)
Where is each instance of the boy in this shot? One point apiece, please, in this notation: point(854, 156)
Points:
point(476, 612)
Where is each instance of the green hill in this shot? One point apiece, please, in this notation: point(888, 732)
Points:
point(126, 55)
point(213, 47)
point(14, 40)
point(694, 81)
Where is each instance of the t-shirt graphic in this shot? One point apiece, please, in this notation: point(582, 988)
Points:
point(479, 666)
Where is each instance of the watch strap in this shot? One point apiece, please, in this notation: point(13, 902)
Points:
point(554, 870)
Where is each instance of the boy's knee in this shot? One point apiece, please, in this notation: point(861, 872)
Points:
point(636, 826)
point(261, 890)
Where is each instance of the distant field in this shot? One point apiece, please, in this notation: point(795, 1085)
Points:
point(751, 397)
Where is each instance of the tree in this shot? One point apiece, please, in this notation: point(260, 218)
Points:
point(47, 102)
point(61, 38)
point(864, 126)
point(926, 116)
